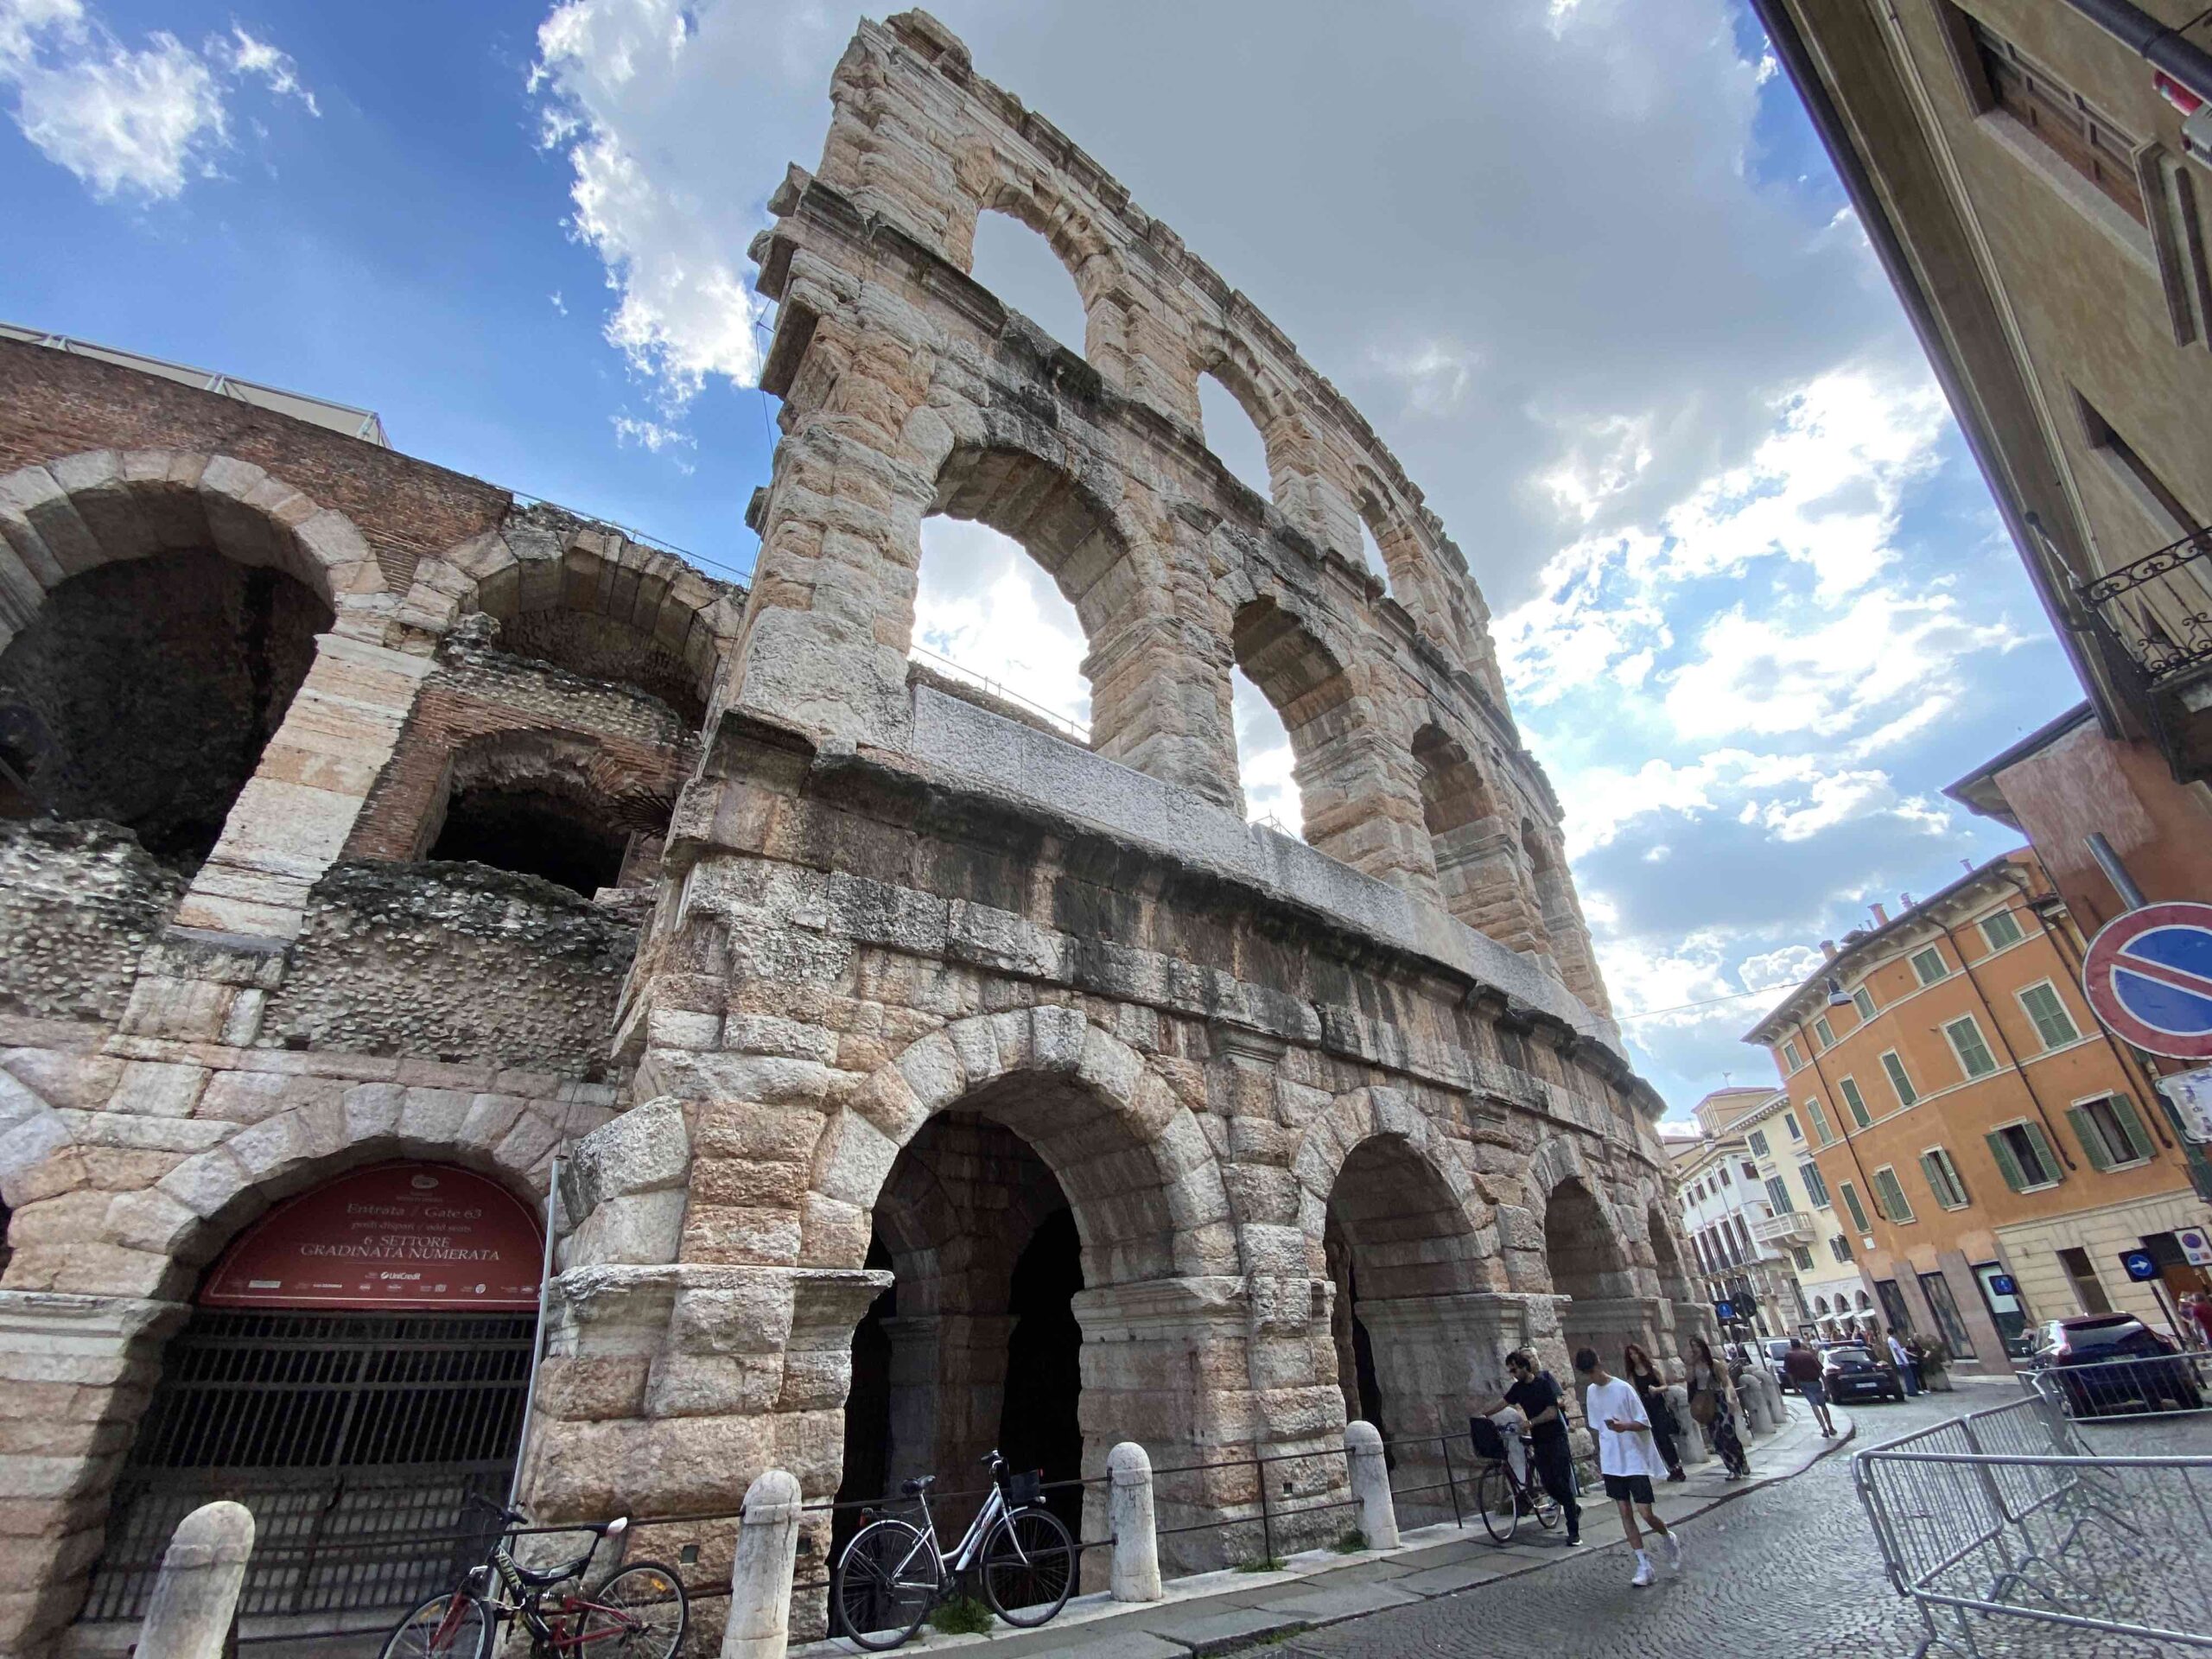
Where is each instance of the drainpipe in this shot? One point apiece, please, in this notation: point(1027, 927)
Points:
point(2158, 44)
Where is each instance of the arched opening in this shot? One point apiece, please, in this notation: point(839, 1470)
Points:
point(975, 1345)
point(1675, 1281)
point(1312, 695)
point(1587, 1268)
point(1399, 1256)
point(1478, 871)
point(1371, 552)
point(1232, 432)
point(595, 646)
point(143, 692)
point(353, 1371)
point(548, 804)
point(1266, 767)
point(1022, 270)
point(988, 614)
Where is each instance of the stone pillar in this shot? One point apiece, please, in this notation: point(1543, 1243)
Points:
point(75, 1374)
point(196, 1596)
point(1479, 872)
point(1370, 1485)
point(761, 1574)
point(1427, 1352)
point(1134, 1575)
point(1689, 1444)
point(1159, 705)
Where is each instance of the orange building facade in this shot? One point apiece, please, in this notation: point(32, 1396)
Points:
point(1986, 1148)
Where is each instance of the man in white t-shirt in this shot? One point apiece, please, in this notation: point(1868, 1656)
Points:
point(1627, 1456)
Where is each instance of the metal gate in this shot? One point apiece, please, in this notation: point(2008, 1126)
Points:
point(355, 1439)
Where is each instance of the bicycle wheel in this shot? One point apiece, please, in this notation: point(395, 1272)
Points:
point(1543, 1505)
point(1494, 1496)
point(640, 1613)
point(454, 1626)
point(887, 1582)
point(1028, 1566)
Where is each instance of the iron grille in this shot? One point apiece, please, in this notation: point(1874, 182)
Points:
point(356, 1440)
point(2160, 607)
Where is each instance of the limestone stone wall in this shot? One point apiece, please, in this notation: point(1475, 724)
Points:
point(78, 905)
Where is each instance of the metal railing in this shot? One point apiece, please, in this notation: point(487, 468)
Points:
point(2160, 607)
point(2107, 1390)
point(2005, 1535)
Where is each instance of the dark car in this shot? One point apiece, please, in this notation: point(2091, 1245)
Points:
point(1777, 1350)
point(2113, 1362)
point(1849, 1372)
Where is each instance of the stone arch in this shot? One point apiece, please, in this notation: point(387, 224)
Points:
point(1293, 448)
point(62, 517)
point(1478, 871)
point(1675, 1281)
point(586, 598)
point(1137, 1167)
point(1034, 201)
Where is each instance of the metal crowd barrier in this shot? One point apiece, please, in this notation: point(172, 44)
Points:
point(2005, 1534)
point(2165, 1385)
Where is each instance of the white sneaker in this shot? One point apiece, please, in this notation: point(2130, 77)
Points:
point(1673, 1547)
point(1643, 1572)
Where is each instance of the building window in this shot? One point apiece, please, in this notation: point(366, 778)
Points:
point(1819, 1119)
point(1815, 1188)
point(1851, 1204)
point(2087, 141)
point(1777, 1195)
point(1945, 1306)
point(1840, 1247)
point(1825, 1032)
point(2001, 929)
point(1928, 965)
point(2081, 1274)
point(1863, 1000)
point(2158, 496)
point(2023, 1156)
point(1801, 1258)
point(1790, 1055)
point(2005, 1311)
point(2053, 1024)
point(1848, 1088)
point(2111, 1131)
point(1943, 1179)
point(1974, 1058)
point(1750, 1172)
point(1758, 1143)
point(1790, 1123)
point(1724, 1176)
point(1900, 1084)
point(1889, 1195)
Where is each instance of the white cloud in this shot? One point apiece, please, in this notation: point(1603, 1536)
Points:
point(141, 121)
point(1436, 376)
point(1794, 795)
point(984, 609)
point(1264, 760)
point(647, 101)
point(632, 430)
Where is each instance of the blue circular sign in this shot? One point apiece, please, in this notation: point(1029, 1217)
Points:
point(2139, 1264)
point(2001, 1284)
point(1725, 1310)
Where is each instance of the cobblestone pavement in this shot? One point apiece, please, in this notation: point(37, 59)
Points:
point(1790, 1570)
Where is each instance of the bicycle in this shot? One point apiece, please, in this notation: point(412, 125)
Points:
point(893, 1575)
point(639, 1612)
point(1503, 1495)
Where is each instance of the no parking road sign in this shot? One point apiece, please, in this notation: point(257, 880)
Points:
point(2149, 977)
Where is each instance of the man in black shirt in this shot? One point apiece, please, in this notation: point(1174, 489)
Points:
point(1538, 1398)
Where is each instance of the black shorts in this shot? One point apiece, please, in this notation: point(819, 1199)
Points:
point(1628, 1488)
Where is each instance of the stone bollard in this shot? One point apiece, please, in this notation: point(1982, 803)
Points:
point(1689, 1438)
point(197, 1593)
point(1759, 1404)
point(761, 1574)
point(1134, 1575)
point(1771, 1404)
point(1370, 1484)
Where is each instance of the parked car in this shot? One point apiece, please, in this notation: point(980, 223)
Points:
point(2113, 1362)
point(1776, 1348)
point(1850, 1371)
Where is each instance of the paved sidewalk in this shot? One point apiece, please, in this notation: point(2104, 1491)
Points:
point(1219, 1612)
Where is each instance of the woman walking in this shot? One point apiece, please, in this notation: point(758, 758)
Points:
point(1652, 1389)
point(1712, 1405)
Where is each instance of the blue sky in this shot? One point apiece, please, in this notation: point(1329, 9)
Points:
point(1581, 261)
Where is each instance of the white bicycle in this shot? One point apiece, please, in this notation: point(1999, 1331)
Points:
point(892, 1575)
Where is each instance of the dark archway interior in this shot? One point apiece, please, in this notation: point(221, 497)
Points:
point(143, 693)
point(1578, 1249)
point(603, 648)
point(542, 831)
point(976, 1346)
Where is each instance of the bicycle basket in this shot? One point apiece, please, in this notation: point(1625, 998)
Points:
point(1488, 1443)
point(1025, 1489)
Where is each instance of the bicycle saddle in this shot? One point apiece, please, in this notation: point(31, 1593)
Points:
point(918, 1486)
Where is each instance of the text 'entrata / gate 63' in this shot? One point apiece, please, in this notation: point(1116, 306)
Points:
point(400, 1237)
point(2149, 977)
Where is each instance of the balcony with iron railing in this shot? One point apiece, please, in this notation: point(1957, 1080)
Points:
point(2157, 611)
point(1792, 1229)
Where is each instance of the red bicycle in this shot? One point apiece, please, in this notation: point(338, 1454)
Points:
point(640, 1612)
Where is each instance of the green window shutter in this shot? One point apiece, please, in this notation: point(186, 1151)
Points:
point(2131, 1125)
point(2093, 1144)
point(1858, 1209)
point(1932, 1172)
point(2007, 1165)
point(1889, 1196)
point(2044, 1150)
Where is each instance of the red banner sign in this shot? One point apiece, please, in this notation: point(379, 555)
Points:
point(401, 1236)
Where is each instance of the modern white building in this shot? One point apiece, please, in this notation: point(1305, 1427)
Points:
point(1800, 1222)
point(1741, 1243)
